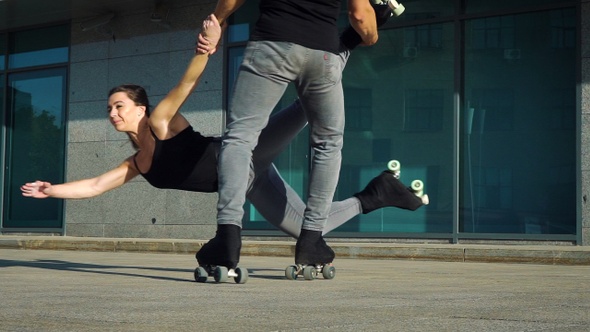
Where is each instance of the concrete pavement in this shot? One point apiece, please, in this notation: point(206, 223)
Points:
point(76, 290)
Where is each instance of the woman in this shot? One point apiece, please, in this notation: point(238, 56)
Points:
point(171, 155)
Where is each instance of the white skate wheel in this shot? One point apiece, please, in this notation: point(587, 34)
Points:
point(425, 199)
point(417, 185)
point(201, 274)
point(328, 272)
point(309, 272)
point(220, 274)
point(241, 275)
point(291, 272)
point(394, 165)
point(396, 8)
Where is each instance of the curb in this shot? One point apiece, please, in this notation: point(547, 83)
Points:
point(552, 255)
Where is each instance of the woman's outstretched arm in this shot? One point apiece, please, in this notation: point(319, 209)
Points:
point(85, 188)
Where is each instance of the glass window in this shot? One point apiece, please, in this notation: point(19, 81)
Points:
point(242, 21)
point(399, 105)
point(2, 51)
point(475, 6)
point(36, 139)
point(39, 47)
point(419, 10)
point(518, 140)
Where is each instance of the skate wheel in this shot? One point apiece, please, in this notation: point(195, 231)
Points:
point(329, 272)
point(309, 272)
point(241, 275)
point(220, 274)
point(201, 274)
point(396, 8)
point(417, 185)
point(291, 272)
point(394, 166)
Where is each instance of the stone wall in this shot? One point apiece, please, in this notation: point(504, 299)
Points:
point(133, 49)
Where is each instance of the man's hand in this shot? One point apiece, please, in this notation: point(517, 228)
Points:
point(209, 36)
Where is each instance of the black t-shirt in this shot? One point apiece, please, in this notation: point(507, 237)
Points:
point(187, 161)
point(309, 23)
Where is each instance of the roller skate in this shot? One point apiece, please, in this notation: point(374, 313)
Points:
point(387, 190)
point(312, 257)
point(219, 257)
point(383, 11)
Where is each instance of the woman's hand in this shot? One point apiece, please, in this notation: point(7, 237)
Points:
point(35, 189)
point(209, 36)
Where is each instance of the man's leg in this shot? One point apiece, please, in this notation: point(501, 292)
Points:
point(282, 128)
point(320, 90)
point(258, 88)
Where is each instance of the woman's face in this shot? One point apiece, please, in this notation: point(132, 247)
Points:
point(123, 113)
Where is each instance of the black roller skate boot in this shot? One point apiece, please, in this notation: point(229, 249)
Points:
point(387, 190)
point(312, 257)
point(220, 256)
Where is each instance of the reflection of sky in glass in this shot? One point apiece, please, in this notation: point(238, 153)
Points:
point(36, 58)
point(45, 94)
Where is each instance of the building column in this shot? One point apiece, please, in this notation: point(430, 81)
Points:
point(585, 124)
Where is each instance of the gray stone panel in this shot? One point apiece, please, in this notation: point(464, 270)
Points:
point(586, 85)
point(203, 111)
point(149, 71)
point(135, 42)
point(85, 230)
point(88, 81)
point(186, 20)
point(585, 199)
point(212, 78)
point(85, 211)
point(88, 51)
point(116, 152)
point(585, 210)
point(85, 160)
point(585, 150)
point(190, 208)
point(136, 203)
point(193, 232)
point(88, 121)
point(585, 236)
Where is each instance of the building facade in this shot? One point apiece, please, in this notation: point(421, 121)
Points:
point(487, 102)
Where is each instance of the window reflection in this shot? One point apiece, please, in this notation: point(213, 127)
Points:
point(518, 143)
point(39, 47)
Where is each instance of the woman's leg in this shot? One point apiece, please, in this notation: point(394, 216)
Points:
point(282, 128)
point(280, 205)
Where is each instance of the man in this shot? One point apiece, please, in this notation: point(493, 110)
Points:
point(293, 41)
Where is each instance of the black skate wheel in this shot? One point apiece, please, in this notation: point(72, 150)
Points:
point(201, 274)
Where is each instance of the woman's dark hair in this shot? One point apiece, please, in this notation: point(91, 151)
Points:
point(135, 93)
point(139, 97)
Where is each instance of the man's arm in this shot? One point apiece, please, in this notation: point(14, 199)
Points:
point(225, 8)
point(362, 18)
point(383, 11)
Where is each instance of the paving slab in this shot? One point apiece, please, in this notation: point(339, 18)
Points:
point(73, 290)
